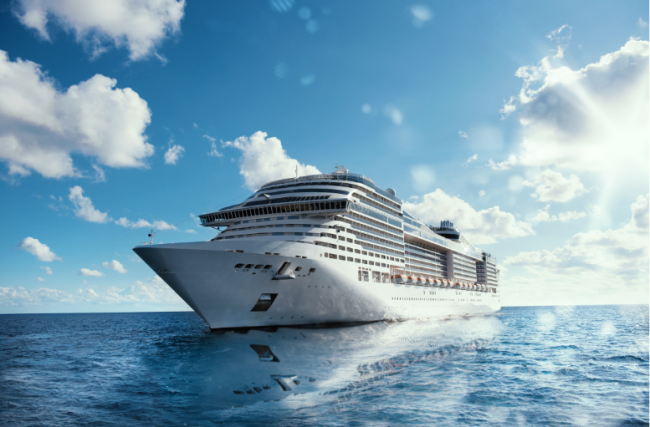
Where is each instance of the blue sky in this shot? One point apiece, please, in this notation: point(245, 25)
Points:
point(524, 123)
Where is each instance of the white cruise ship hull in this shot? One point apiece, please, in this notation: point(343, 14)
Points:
point(203, 274)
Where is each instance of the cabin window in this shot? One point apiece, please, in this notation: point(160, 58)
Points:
point(357, 260)
point(239, 265)
point(298, 268)
point(312, 270)
point(364, 253)
point(248, 265)
point(259, 266)
point(350, 259)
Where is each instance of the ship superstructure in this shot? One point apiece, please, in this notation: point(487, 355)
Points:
point(329, 248)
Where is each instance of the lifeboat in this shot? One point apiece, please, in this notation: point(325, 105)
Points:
point(398, 278)
point(409, 279)
point(419, 281)
point(428, 282)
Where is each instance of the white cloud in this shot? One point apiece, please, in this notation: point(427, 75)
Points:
point(423, 177)
point(641, 23)
point(471, 159)
point(141, 223)
point(394, 114)
point(213, 150)
point(190, 231)
point(40, 279)
point(587, 119)
point(153, 291)
point(115, 265)
point(482, 227)
point(174, 153)
point(263, 159)
point(83, 207)
point(594, 266)
point(505, 165)
point(366, 109)
point(100, 176)
point(543, 215)
point(462, 134)
point(508, 108)
point(88, 272)
point(138, 24)
point(41, 127)
point(41, 250)
point(562, 36)
point(481, 193)
point(421, 14)
point(551, 186)
point(48, 270)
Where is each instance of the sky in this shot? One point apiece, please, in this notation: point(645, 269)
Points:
point(524, 123)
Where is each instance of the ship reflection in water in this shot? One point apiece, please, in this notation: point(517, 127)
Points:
point(322, 366)
point(521, 366)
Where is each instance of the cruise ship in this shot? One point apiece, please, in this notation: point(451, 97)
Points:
point(325, 249)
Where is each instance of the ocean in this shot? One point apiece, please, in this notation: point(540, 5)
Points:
point(550, 366)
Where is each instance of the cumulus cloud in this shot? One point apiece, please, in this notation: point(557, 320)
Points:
point(263, 159)
point(153, 291)
point(562, 36)
point(190, 231)
point(48, 270)
point(587, 119)
point(505, 165)
point(83, 207)
point(551, 186)
point(174, 153)
point(41, 127)
point(480, 227)
point(139, 25)
point(509, 107)
point(481, 193)
point(595, 264)
point(40, 279)
point(462, 134)
point(100, 175)
point(641, 23)
point(544, 216)
point(115, 265)
point(471, 159)
point(214, 152)
point(92, 273)
point(141, 223)
point(40, 250)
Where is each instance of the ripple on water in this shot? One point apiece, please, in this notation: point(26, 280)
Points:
point(522, 366)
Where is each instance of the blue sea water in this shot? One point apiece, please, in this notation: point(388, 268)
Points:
point(584, 366)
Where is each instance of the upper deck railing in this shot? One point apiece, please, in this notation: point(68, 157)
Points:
point(337, 177)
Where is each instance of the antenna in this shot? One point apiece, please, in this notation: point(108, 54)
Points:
point(152, 234)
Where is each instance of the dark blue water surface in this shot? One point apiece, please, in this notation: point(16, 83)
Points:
point(585, 366)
